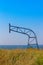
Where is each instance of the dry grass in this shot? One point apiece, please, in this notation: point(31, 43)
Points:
point(21, 57)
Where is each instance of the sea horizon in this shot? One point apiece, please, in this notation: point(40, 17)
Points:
point(20, 46)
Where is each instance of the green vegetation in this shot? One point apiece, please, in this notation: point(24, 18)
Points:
point(21, 57)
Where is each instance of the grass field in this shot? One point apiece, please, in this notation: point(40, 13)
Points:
point(21, 57)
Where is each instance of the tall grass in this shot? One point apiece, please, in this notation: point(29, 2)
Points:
point(21, 57)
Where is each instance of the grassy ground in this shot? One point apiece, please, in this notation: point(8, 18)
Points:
point(21, 57)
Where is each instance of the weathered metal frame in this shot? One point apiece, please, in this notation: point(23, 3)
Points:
point(23, 30)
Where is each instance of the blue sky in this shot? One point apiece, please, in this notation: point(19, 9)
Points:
point(25, 13)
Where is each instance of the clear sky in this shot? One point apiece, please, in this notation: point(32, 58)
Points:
point(25, 13)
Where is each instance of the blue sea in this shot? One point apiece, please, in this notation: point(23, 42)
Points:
point(18, 46)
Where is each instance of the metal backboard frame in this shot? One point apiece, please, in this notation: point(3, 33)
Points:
point(30, 33)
